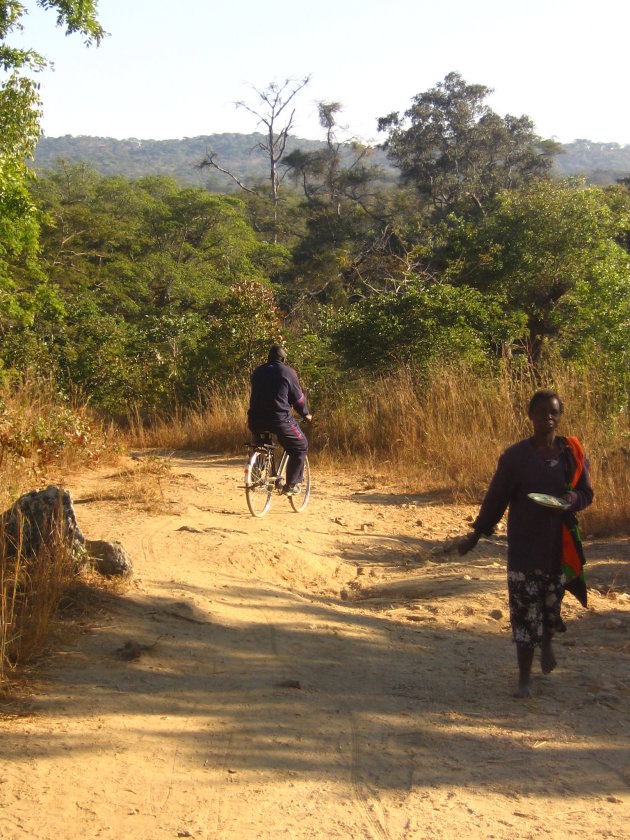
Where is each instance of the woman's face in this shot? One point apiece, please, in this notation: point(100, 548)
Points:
point(545, 416)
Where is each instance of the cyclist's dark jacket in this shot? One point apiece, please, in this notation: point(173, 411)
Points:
point(275, 390)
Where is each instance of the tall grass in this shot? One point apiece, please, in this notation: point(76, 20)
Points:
point(218, 423)
point(32, 585)
point(441, 430)
point(43, 435)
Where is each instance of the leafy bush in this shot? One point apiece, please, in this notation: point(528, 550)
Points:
point(422, 323)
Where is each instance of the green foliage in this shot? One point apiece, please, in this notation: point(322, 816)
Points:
point(342, 220)
point(311, 352)
point(537, 245)
point(20, 275)
point(148, 242)
point(423, 323)
point(19, 127)
point(77, 16)
point(99, 354)
point(594, 322)
point(20, 106)
point(155, 290)
point(326, 257)
point(458, 153)
point(335, 174)
point(241, 327)
point(141, 275)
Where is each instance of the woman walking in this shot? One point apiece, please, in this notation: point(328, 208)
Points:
point(544, 550)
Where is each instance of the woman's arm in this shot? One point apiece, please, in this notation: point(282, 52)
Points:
point(493, 506)
point(582, 494)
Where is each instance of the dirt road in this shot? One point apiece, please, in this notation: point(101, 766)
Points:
point(334, 674)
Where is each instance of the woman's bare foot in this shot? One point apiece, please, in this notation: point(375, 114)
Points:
point(523, 690)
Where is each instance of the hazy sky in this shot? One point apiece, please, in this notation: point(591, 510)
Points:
point(170, 70)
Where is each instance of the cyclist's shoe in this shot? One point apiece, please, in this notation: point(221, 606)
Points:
point(292, 489)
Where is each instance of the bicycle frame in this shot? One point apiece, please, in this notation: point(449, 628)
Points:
point(262, 477)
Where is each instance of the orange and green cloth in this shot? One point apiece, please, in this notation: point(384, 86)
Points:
point(572, 554)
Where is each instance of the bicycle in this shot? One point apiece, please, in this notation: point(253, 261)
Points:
point(262, 478)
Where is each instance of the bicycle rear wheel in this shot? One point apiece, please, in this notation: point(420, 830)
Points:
point(299, 502)
point(257, 484)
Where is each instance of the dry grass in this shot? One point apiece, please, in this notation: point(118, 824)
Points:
point(218, 424)
point(43, 436)
point(31, 588)
point(446, 432)
point(142, 486)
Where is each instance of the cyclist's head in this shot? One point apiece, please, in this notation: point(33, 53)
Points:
point(277, 354)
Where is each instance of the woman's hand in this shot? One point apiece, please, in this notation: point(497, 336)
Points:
point(571, 497)
point(468, 543)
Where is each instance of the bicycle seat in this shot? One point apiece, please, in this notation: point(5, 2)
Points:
point(263, 439)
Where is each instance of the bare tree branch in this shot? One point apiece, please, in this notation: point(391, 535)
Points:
point(210, 162)
point(275, 98)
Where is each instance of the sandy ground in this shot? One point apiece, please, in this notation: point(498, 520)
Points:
point(334, 674)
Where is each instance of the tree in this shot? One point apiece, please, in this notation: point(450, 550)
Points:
point(600, 304)
point(19, 130)
point(318, 172)
point(240, 328)
point(272, 104)
point(346, 231)
point(337, 173)
point(421, 323)
point(148, 244)
point(539, 247)
point(459, 153)
point(153, 289)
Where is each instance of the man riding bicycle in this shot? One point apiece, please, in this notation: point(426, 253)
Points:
point(275, 390)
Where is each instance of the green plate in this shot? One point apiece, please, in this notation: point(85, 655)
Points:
point(549, 501)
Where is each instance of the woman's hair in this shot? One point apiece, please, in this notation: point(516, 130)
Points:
point(543, 396)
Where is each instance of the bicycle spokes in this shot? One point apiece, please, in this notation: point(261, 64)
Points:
point(258, 485)
point(261, 479)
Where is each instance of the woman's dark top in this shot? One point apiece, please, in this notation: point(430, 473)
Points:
point(534, 532)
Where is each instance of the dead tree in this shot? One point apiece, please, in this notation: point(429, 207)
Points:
point(273, 103)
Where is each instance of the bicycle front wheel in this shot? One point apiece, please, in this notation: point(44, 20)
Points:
point(299, 501)
point(257, 484)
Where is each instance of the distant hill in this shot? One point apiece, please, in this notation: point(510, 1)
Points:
point(238, 153)
point(602, 163)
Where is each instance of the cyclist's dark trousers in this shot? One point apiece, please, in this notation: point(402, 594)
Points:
point(294, 441)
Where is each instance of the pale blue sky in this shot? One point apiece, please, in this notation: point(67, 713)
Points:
point(171, 70)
